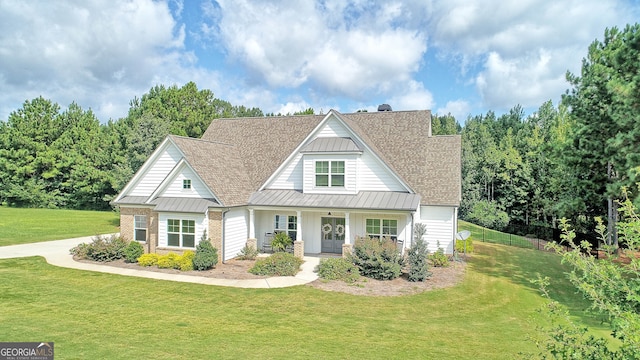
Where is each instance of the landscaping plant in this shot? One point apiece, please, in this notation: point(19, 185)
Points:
point(206, 256)
point(439, 258)
point(377, 258)
point(417, 255)
point(133, 251)
point(278, 264)
point(101, 248)
point(338, 269)
point(281, 241)
point(248, 253)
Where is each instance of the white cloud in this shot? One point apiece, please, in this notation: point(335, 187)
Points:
point(99, 53)
point(460, 109)
point(412, 96)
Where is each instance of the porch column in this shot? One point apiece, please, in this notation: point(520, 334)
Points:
point(347, 247)
point(298, 245)
point(252, 242)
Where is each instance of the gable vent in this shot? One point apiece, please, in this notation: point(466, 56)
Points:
point(384, 107)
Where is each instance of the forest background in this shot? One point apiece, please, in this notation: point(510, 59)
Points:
point(570, 159)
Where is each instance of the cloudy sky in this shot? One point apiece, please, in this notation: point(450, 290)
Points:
point(458, 56)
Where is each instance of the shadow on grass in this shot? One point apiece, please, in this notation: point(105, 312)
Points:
point(520, 266)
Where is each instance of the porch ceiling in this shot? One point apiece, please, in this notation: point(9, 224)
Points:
point(369, 200)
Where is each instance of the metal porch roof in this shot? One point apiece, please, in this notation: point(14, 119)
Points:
point(364, 200)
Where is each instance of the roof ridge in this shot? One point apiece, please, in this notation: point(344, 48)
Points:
point(202, 140)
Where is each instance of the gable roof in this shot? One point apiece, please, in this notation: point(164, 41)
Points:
point(402, 139)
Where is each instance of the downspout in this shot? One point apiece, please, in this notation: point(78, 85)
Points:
point(222, 240)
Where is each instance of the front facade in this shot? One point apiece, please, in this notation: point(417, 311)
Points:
point(323, 179)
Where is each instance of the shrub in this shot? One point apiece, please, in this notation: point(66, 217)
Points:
point(460, 246)
point(338, 269)
point(377, 258)
point(439, 258)
point(248, 253)
point(417, 255)
point(148, 259)
point(169, 261)
point(278, 264)
point(101, 248)
point(186, 261)
point(133, 251)
point(281, 241)
point(206, 256)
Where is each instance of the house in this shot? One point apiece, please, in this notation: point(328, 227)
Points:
point(324, 179)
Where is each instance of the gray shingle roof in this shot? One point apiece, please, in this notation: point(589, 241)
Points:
point(235, 157)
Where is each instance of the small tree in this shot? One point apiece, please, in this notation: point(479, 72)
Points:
point(281, 241)
point(377, 258)
point(418, 265)
point(206, 255)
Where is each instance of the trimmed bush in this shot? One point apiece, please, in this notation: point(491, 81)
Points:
point(461, 248)
point(206, 256)
point(417, 255)
point(148, 259)
point(248, 253)
point(278, 264)
point(133, 251)
point(169, 261)
point(101, 248)
point(338, 269)
point(186, 261)
point(377, 258)
point(281, 241)
point(439, 258)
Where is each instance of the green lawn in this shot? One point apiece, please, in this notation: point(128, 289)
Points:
point(19, 226)
point(478, 233)
point(94, 315)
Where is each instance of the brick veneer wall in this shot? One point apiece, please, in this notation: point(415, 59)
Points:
point(215, 231)
point(126, 225)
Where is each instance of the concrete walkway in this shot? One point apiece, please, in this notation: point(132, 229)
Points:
point(57, 253)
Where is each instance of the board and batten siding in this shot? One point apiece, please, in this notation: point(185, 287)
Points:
point(373, 176)
point(157, 172)
point(236, 232)
point(440, 222)
point(290, 178)
point(198, 189)
point(309, 178)
point(201, 221)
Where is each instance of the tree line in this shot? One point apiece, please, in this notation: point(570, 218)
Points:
point(567, 160)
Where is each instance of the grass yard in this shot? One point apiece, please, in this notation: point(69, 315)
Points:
point(94, 315)
point(493, 236)
point(19, 226)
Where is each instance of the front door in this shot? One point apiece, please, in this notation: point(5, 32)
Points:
point(332, 235)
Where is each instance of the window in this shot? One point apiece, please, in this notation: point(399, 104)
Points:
point(286, 223)
point(186, 184)
point(330, 173)
point(140, 228)
point(382, 227)
point(181, 233)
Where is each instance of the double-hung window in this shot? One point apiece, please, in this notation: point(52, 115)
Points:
point(186, 184)
point(181, 233)
point(140, 228)
point(286, 223)
point(382, 227)
point(330, 173)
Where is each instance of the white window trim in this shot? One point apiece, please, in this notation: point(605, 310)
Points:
point(135, 228)
point(187, 185)
point(181, 234)
point(278, 225)
point(382, 234)
point(329, 174)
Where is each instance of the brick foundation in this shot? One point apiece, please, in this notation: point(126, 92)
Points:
point(214, 232)
point(298, 249)
point(346, 250)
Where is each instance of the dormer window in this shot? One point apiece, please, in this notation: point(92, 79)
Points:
point(186, 184)
point(329, 173)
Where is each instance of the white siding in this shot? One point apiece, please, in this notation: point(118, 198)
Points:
point(373, 176)
point(290, 178)
point(158, 171)
point(440, 222)
point(350, 171)
point(236, 232)
point(359, 224)
point(201, 226)
point(333, 128)
point(264, 222)
point(174, 188)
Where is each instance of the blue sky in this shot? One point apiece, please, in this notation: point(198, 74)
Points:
point(458, 56)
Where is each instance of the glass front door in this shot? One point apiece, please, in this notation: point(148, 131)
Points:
point(332, 235)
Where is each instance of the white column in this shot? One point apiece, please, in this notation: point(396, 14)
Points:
point(347, 229)
point(299, 225)
point(252, 225)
